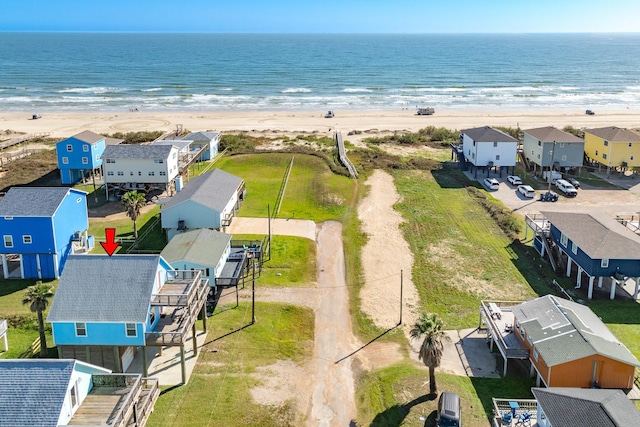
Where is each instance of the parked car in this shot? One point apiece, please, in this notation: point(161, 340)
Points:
point(491, 183)
point(566, 188)
point(574, 182)
point(590, 112)
point(514, 180)
point(527, 191)
point(329, 115)
point(448, 410)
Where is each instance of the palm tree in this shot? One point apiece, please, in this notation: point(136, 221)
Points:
point(133, 202)
point(37, 297)
point(430, 326)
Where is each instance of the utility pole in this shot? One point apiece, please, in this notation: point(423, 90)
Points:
point(400, 322)
point(553, 152)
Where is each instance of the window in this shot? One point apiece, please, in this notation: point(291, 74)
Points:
point(139, 173)
point(497, 156)
point(538, 155)
point(495, 144)
point(69, 147)
point(120, 173)
point(563, 239)
point(111, 160)
point(539, 143)
point(562, 145)
point(206, 272)
point(8, 218)
point(85, 160)
point(606, 143)
point(564, 158)
point(74, 397)
point(132, 331)
point(152, 315)
point(535, 354)
point(81, 329)
point(175, 155)
point(574, 248)
point(26, 239)
point(152, 173)
point(85, 148)
point(8, 241)
point(473, 156)
point(631, 158)
point(163, 173)
point(630, 144)
point(596, 152)
point(131, 173)
point(604, 155)
point(109, 173)
point(97, 157)
point(158, 161)
point(65, 160)
point(604, 263)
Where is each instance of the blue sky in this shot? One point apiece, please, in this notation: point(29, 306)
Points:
point(326, 16)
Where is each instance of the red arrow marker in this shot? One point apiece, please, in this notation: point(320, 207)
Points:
point(110, 245)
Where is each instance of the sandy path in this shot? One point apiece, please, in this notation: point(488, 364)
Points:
point(384, 255)
point(333, 402)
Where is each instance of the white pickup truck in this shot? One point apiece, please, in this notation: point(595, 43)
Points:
point(566, 188)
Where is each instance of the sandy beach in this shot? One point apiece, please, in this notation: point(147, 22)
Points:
point(64, 124)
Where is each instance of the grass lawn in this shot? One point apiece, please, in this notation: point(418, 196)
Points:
point(312, 192)
point(292, 263)
point(124, 229)
point(218, 392)
point(461, 255)
point(23, 324)
point(398, 395)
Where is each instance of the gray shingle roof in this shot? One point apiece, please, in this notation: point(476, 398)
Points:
point(202, 246)
point(182, 143)
point(563, 331)
point(614, 134)
point(488, 134)
point(34, 201)
point(88, 136)
point(213, 189)
point(32, 391)
point(99, 288)
point(577, 407)
point(598, 235)
point(202, 136)
point(551, 134)
point(130, 151)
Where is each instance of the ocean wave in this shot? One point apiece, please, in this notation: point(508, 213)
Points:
point(296, 90)
point(357, 90)
point(99, 89)
point(153, 89)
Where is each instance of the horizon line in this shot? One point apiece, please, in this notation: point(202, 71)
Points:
point(309, 33)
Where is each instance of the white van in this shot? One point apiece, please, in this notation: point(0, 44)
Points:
point(491, 183)
point(566, 188)
point(448, 410)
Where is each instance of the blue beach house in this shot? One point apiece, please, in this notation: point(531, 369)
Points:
point(53, 393)
point(208, 140)
point(598, 245)
point(108, 309)
point(80, 156)
point(40, 228)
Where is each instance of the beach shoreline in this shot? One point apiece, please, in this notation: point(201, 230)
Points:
point(65, 124)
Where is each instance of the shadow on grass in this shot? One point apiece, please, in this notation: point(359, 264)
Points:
point(9, 286)
point(396, 414)
point(450, 176)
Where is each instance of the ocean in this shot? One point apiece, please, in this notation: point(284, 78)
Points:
point(228, 72)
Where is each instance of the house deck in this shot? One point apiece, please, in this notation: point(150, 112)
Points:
point(182, 297)
point(115, 402)
point(503, 406)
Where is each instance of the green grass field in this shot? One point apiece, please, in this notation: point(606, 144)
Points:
point(218, 392)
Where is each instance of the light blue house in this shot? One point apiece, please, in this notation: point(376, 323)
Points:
point(106, 309)
point(209, 200)
point(208, 140)
point(51, 393)
point(80, 156)
point(202, 249)
point(40, 228)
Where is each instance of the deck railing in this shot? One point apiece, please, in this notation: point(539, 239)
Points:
point(183, 299)
point(501, 406)
point(126, 408)
point(496, 332)
point(3, 327)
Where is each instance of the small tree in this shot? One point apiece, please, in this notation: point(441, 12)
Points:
point(37, 298)
point(133, 203)
point(430, 326)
